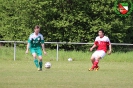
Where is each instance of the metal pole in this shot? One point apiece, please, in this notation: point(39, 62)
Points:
point(14, 51)
point(57, 55)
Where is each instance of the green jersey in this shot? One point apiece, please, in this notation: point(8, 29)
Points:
point(35, 41)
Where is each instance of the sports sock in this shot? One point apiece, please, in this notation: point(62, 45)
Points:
point(40, 63)
point(95, 65)
point(36, 63)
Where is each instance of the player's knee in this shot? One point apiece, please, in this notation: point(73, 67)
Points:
point(92, 58)
point(40, 58)
point(34, 55)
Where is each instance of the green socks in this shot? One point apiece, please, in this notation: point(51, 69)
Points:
point(40, 63)
point(36, 63)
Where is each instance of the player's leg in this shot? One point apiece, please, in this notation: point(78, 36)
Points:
point(39, 53)
point(40, 62)
point(95, 63)
point(100, 55)
point(35, 60)
point(97, 59)
point(33, 52)
point(92, 60)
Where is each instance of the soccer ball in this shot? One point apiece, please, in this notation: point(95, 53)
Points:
point(47, 65)
point(69, 59)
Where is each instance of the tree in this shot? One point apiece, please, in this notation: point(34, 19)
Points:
point(64, 21)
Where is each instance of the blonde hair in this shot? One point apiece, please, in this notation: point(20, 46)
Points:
point(37, 27)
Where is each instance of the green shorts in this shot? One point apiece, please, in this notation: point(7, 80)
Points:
point(38, 51)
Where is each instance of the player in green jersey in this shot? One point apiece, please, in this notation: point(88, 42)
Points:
point(36, 45)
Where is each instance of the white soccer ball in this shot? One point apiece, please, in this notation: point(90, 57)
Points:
point(69, 59)
point(47, 65)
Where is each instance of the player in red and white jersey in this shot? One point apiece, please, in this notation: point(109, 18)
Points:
point(102, 43)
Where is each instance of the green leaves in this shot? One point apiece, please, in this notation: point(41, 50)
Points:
point(14, 23)
point(64, 20)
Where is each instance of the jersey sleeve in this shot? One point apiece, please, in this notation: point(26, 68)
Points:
point(42, 39)
point(108, 41)
point(96, 41)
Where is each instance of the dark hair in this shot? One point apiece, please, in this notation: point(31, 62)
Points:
point(101, 30)
point(37, 27)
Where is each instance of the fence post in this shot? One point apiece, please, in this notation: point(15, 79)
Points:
point(57, 57)
point(14, 51)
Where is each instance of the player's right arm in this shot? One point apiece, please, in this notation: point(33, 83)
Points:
point(27, 47)
point(28, 44)
point(95, 44)
point(93, 47)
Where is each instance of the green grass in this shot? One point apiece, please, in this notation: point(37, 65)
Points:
point(7, 54)
point(63, 74)
point(115, 71)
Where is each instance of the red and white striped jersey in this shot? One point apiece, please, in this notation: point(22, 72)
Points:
point(102, 43)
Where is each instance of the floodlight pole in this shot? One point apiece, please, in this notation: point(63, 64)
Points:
point(14, 51)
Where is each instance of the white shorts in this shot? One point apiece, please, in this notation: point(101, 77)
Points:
point(99, 53)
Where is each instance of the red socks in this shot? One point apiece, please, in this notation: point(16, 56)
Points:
point(95, 64)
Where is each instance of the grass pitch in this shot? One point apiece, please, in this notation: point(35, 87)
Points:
point(115, 71)
point(63, 74)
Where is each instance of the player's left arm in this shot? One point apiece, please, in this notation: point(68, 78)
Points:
point(43, 48)
point(110, 47)
point(28, 44)
point(27, 48)
point(43, 45)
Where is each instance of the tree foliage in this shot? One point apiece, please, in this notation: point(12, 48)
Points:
point(64, 20)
